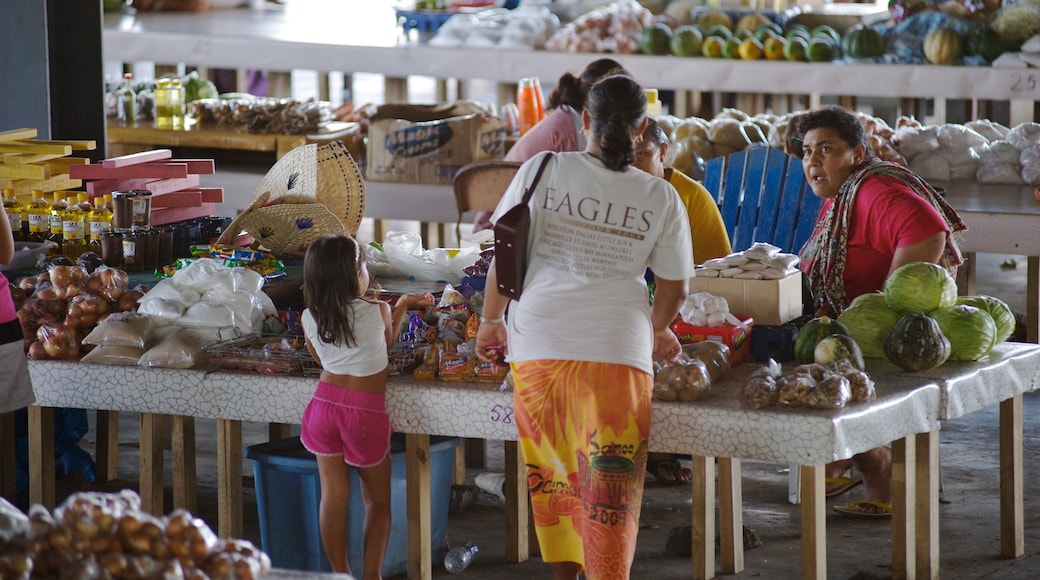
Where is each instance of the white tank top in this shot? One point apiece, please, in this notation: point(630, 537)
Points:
point(366, 358)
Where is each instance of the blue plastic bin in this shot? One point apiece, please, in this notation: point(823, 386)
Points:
point(288, 493)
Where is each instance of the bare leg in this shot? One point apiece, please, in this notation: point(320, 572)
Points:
point(375, 490)
point(565, 570)
point(332, 515)
point(836, 469)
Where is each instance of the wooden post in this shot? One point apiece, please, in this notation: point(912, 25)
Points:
point(518, 505)
point(814, 522)
point(1032, 299)
point(277, 431)
point(417, 467)
point(1012, 515)
point(8, 479)
point(904, 512)
point(151, 464)
point(927, 505)
point(229, 478)
point(41, 456)
point(458, 471)
point(183, 455)
point(731, 516)
point(703, 516)
point(107, 449)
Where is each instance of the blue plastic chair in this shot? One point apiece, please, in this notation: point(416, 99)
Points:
point(764, 197)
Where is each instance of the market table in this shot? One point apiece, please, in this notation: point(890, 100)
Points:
point(907, 412)
point(1001, 219)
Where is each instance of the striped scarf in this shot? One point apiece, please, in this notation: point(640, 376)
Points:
point(826, 249)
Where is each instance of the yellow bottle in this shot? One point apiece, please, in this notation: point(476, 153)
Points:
point(39, 212)
point(58, 207)
point(14, 209)
point(100, 222)
point(108, 202)
point(75, 236)
point(83, 201)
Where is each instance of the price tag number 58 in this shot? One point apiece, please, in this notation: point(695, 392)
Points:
point(502, 414)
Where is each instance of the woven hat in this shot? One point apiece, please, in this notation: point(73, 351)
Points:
point(295, 199)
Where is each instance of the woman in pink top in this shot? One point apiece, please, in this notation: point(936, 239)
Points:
point(15, 388)
point(876, 217)
point(560, 130)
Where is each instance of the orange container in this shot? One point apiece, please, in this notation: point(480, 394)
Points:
point(529, 102)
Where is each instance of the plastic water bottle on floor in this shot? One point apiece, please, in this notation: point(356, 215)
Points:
point(458, 558)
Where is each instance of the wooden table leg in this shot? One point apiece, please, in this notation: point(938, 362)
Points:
point(420, 536)
point(8, 478)
point(278, 431)
point(151, 464)
point(41, 456)
point(1033, 299)
point(814, 522)
point(731, 516)
point(107, 449)
point(517, 505)
point(927, 504)
point(229, 478)
point(183, 455)
point(904, 513)
point(458, 468)
point(1012, 514)
point(703, 516)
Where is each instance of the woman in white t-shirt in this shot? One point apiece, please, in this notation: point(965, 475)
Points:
point(581, 341)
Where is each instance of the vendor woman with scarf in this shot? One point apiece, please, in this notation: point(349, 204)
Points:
point(876, 217)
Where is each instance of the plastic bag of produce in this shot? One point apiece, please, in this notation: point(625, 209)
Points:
point(999, 151)
point(1030, 161)
point(123, 329)
point(404, 253)
point(999, 173)
point(114, 355)
point(931, 166)
point(181, 350)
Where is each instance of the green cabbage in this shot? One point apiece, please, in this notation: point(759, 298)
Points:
point(971, 331)
point(919, 288)
point(1001, 313)
point(196, 88)
point(869, 319)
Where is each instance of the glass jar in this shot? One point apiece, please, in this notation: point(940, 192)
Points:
point(112, 249)
point(141, 208)
point(164, 245)
point(122, 210)
point(132, 255)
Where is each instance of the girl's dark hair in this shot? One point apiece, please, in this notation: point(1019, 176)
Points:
point(330, 286)
point(616, 107)
point(654, 133)
point(840, 119)
point(572, 91)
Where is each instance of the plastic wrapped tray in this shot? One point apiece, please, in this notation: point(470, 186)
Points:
point(268, 354)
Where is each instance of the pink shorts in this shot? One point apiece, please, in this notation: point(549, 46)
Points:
point(354, 425)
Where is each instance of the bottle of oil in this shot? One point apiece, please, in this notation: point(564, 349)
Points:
point(177, 104)
point(108, 202)
point(163, 111)
point(58, 207)
point(75, 237)
point(83, 201)
point(39, 212)
point(100, 223)
point(13, 208)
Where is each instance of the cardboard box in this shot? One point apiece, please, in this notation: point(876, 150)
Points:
point(767, 301)
point(429, 143)
point(737, 338)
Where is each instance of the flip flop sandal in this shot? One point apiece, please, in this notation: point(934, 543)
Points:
point(672, 466)
point(841, 484)
point(853, 509)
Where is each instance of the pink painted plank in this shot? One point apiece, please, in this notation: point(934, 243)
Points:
point(213, 194)
point(102, 186)
point(176, 214)
point(199, 166)
point(184, 198)
point(136, 158)
point(157, 170)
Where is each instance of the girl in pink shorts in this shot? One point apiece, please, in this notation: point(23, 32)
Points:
point(345, 424)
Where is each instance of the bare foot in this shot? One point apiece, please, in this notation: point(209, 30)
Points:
point(834, 471)
point(876, 466)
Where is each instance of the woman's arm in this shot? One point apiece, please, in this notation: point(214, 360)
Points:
point(927, 250)
point(492, 330)
point(668, 297)
point(6, 238)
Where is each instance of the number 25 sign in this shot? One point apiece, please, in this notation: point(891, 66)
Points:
point(1023, 84)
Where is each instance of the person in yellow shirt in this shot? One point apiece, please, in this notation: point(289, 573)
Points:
point(709, 232)
point(709, 241)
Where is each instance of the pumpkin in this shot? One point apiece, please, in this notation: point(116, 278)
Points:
point(822, 49)
point(942, 46)
point(836, 347)
point(984, 42)
point(863, 42)
point(812, 333)
point(916, 343)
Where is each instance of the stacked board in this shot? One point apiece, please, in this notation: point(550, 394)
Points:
point(27, 163)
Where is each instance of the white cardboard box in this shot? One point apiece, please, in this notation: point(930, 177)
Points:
point(769, 302)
